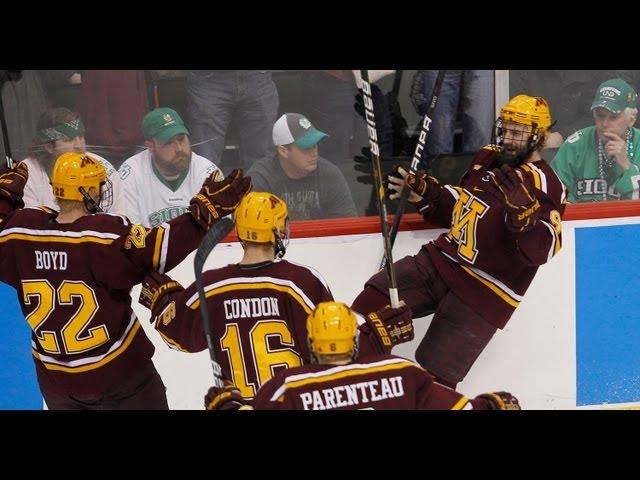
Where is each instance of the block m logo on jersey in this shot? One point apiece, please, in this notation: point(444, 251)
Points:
point(466, 213)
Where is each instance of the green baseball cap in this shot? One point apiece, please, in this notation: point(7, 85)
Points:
point(615, 95)
point(162, 124)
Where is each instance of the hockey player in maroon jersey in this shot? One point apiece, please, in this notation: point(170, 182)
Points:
point(340, 378)
point(258, 307)
point(504, 221)
point(73, 271)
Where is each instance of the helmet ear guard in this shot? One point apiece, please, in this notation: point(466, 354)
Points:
point(281, 240)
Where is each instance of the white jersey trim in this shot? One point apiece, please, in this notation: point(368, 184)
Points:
point(250, 280)
point(331, 371)
point(165, 247)
point(58, 233)
point(314, 272)
point(553, 239)
point(453, 192)
point(487, 277)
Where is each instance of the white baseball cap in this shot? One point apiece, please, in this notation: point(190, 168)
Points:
point(296, 128)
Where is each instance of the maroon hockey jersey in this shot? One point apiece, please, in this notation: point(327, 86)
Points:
point(258, 314)
point(375, 382)
point(73, 283)
point(489, 267)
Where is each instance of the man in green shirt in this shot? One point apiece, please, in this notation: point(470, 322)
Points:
point(602, 162)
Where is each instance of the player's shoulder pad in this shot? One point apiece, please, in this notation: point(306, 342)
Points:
point(307, 270)
point(31, 217)
point(491, 147)
point(485, 157)
point(110, 222)
point(47, 210)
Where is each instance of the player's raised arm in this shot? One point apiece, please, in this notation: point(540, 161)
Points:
point(165, 246)
point(12, 184)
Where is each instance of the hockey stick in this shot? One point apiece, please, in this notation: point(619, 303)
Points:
point(215, 234)
point(3, 122)
point(377, 176)
point(417, 156)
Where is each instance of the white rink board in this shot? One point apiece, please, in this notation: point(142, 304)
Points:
point(534, 356)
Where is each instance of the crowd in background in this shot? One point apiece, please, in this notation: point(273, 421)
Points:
point(235, 118)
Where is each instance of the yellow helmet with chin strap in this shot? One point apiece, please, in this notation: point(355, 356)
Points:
point(74, 173)
point(262, 217)
point(332, 329)
point(523, 110)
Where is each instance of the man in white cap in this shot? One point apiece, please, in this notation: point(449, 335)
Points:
point(312, 186)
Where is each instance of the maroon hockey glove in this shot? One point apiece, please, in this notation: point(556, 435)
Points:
point(218, 199)
point(419, 182)
point(12, 184)
point(521, 207)
point(425, 186)
point(154, 295)
point(389, 326)
point(225, 398)
point(496, 401)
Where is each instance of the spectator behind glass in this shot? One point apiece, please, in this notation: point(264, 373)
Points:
point(215, 97)
point(601, 162)
point(60, 130)
point(329, 99)
point(312, 186)
point(112, 104)
point(477, 89)
point(159, 182)
point(24, 100)
point(569, 92)
point(62, 87)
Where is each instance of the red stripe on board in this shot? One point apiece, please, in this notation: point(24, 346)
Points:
point(414, 221)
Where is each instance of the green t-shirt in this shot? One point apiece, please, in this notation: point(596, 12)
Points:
point(578, 167)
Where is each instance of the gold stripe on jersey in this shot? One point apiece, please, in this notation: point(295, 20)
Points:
point(537, 182)
point(556, 242)
point(157, 248)
point(172, 343)
point(55, 238)
point(502, 291)
point(319, 378)
point(459, 405)
point(92, 366)
point(493, 287)
point(253, 286)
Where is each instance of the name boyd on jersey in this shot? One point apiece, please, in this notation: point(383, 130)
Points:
point(51, 260)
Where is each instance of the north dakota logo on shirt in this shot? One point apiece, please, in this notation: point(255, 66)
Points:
point(165, 215)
